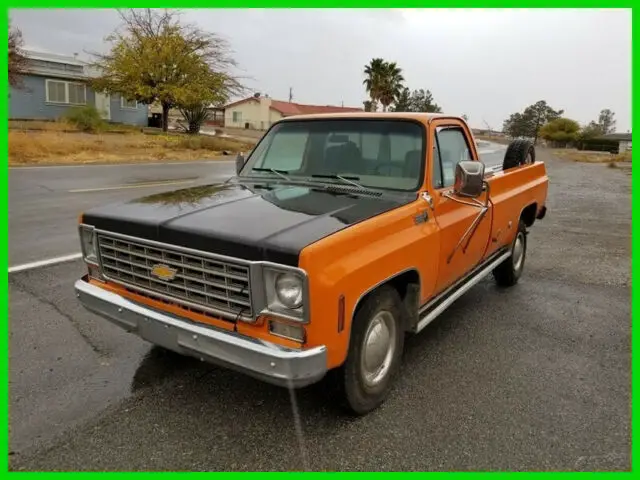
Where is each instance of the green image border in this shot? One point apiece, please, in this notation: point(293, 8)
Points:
point(184, 4)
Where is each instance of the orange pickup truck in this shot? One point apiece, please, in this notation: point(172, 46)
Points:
point(339, 235)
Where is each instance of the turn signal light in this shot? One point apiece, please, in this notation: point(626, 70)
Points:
point(287, 330)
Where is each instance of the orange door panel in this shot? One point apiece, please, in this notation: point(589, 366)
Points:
point(462, 244)
point(455, 221)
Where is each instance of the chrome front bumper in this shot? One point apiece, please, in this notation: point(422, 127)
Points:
point(266, 361)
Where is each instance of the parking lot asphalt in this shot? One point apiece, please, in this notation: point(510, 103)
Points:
point(536, 377)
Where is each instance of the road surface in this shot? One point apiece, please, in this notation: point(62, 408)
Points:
point(532, 378)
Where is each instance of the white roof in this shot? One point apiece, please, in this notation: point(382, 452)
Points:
point(53, 57)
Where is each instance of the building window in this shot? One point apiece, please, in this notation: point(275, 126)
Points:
point(72, 93)
point(133, 104)
point(77, 93)
point(237, 117)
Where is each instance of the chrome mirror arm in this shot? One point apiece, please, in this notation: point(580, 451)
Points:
point(484, 208)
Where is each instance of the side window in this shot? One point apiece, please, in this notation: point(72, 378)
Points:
point(451, 148)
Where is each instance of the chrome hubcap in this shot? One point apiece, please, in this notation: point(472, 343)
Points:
point(378, 349)
point(518, 252)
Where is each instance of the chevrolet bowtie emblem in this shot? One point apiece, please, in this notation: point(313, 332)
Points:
point(164, 272)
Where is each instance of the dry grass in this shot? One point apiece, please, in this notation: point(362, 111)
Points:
point(62, 125)
point(60, 147)
point(57, 126)
point(591, 157)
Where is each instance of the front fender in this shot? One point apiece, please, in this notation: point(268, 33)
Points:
point(355, 261)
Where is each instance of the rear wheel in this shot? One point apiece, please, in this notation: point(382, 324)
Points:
point(519, 152)
point(509, 271)
point(375, 352)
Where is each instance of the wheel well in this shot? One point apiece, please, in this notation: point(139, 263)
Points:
point(407, 284)
point(528, 214)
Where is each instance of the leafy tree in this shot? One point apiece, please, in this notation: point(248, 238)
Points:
point(560, 130)
point(592, 130)
point(528, 123)
point(156, 58)
point(606, 121)
point(368, 105)
point(17, 62)
point(374, 72)
point(537, 115)
point(516, 126)
point(422, 101)
point(465, 117)
point(416, 101)
point(403, 101)
point(391, 84)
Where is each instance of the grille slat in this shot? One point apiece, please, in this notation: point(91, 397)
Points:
point(199, 279)
point(211, 284)
point(173, 263)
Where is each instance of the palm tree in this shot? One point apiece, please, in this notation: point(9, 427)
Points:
point(391, 84)
point(372, 82)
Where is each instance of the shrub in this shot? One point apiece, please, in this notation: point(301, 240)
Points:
point(599, 145)
point(86, 119)
point(195, 116)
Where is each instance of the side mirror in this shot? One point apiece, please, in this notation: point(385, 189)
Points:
point(239, 163)
point(469, 181)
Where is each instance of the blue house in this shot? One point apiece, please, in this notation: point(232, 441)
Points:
point(54, 83)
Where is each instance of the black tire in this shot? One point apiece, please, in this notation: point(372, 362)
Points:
point(519, 152)
point(509, 271)
point(357, 396)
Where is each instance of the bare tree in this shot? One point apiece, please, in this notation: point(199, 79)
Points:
point(17, 62)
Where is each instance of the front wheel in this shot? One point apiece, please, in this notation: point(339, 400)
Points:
point(375, 352)
point(509, 271)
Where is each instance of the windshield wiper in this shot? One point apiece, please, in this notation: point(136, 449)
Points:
point(282, 173)
point(346, 179)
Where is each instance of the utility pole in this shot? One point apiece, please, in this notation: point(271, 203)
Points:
point(290, 94)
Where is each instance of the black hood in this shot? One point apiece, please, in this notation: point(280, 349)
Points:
point(253, 221)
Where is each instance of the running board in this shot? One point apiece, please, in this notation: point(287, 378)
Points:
point(434, 308)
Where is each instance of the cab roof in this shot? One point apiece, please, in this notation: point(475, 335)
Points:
point(419, 116)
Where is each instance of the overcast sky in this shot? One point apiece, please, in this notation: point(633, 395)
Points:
point(485, 63)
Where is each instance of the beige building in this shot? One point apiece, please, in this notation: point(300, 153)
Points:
point(260, 112)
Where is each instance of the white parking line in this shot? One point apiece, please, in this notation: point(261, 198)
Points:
point(120, 165)
point(44, 263)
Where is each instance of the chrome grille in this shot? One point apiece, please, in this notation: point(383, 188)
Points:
point(220, 287)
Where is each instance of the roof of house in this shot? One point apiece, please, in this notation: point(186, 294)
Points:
point(290, 108)
point(52, 57)
point(623, 137)
point(65, 66)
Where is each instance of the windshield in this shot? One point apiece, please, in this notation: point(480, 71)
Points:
point(385, 154)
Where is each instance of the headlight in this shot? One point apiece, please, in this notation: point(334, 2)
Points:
point(289, 290)
point(88, 243)
point(285, 293)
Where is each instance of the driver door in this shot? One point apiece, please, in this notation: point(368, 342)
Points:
point(450, 144)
